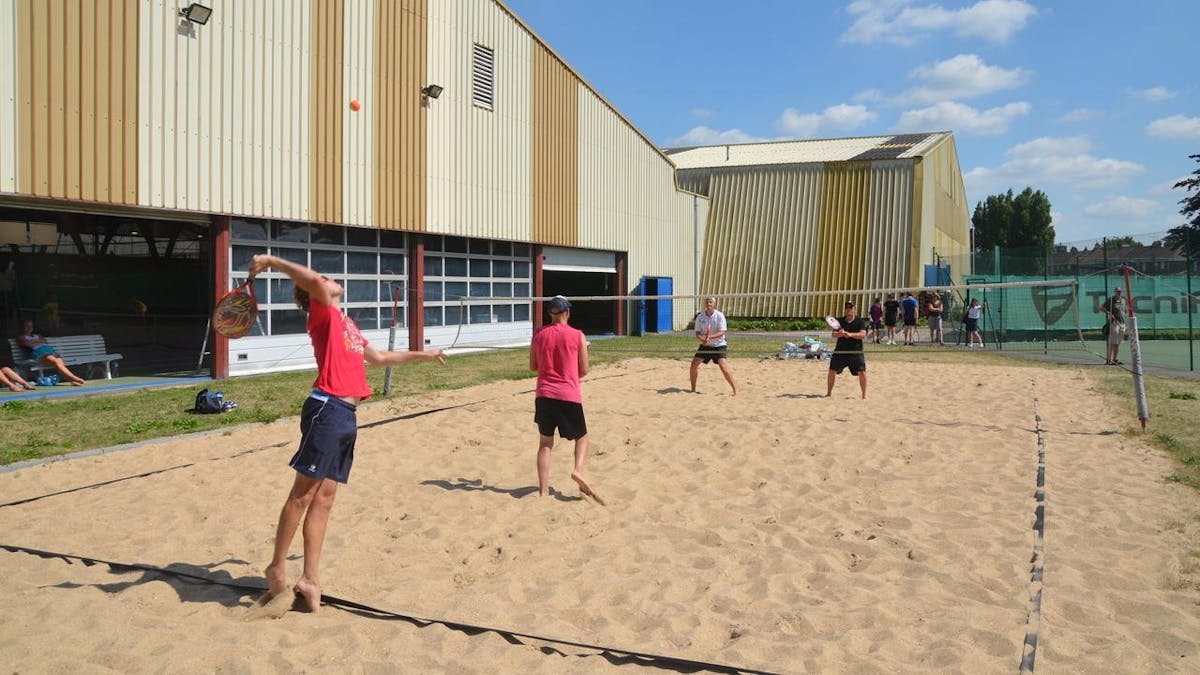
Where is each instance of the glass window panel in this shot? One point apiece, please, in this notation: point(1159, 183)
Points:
point(366, 318)
point(520, 290)
point(260, 289)
point(455, 314)
point(480, 313)
point(288, 321)
point(241, 228)
point(455, 267)
point(433, 266)
point(296, 255)
point(520, 270)
point(433, 242)
point(328, 234)
point(433, 316)
point(504, 313)
point(392, 239)
point(501, 268)
point(480, 289)
point(502, 290)
point(521, 312)
point(328, 262)
point(240, 258)
point(395, 263)
point(520, 250)
point(479, 246)
point(361, 236)
point(362, 290)
point(289, 232)
point(433, 291)
point(455, 245)
point(392, 291)
point(456, 290)
point(481, 268)
point(502, 248)
point(361, 263)
point(282, 291)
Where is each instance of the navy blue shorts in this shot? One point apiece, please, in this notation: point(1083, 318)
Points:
point(711, 354)
point(328, 429)
point(566, 416)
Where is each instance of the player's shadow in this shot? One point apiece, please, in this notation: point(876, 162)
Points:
point(801, 396)
point(192, 583)
point(673, 390)
point(477, 485)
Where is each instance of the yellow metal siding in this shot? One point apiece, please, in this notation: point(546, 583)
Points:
point(76, 90)
point(950, 231)
point(8, 95)
point(480, 175)
point(327, 106)
point(358, 143)
point(842, 237)
point(399, 118)
point(555, 151)
point(889, 224)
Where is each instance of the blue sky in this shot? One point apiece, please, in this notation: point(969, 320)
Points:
point(1096, 103)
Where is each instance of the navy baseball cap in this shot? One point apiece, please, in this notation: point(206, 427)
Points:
point(559, 304)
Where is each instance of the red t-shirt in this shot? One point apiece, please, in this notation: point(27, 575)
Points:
point(338, 346)
point(557, 350)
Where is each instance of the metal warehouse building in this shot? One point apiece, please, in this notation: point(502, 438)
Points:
point(147, 153)
point(850, 213)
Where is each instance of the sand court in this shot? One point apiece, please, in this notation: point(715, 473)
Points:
point(776, 530)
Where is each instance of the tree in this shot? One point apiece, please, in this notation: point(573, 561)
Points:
point(1020, 226)
point(1186, 237)
point(1114, 243)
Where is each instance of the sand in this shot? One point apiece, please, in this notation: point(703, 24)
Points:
point(776, 530)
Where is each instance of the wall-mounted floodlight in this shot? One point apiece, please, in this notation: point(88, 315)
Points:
point(432, 91)
point(196, 13)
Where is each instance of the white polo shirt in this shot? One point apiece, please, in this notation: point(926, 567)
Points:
point(711, 324)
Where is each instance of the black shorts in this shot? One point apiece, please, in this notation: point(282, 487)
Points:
point(972, 325)
point(876, 325)
point(711, 354)
point(566, 416)
point(910, 322)
point(890, 321)
point(856, 362)
point(328, 429)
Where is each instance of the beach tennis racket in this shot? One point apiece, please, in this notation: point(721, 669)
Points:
point(236, 312)
point(833, 323)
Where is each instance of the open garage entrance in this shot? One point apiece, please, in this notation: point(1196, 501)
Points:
point(579, 273)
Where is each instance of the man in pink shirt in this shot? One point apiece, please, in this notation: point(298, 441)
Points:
point(328, 423)
point(559, 355)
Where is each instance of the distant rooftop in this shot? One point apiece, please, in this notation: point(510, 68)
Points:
point(902, 146)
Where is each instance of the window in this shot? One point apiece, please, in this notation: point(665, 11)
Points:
point(474, 280)
point(483, 77)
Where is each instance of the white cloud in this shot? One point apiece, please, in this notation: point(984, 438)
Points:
point(1123, 207)
point(1153, 94)
point(954, 116)
point(1175, 126)
point(703, 135)
point(702, 112)
point(1078, 115)
point(1058, 161)
point(869, 96)
point(834, 119)
point(901, 23)
point(961, 76)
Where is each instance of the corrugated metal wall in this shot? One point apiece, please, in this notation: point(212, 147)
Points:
point(555, 151)
point(842, 238)
point(398, 116)
point(77, 99)
point(479, 160)
point(889, 224)
point(951, 235)
point(326, 103)
point(224, 121)
point(8, 96)
point(358, 142)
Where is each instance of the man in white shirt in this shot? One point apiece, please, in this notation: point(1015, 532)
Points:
point(710, 331)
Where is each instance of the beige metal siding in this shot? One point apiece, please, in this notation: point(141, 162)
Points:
point(628, 202)
point(8, 95)
point(76, 66)
point(555, 151)
point(398, 116)
point(479, 160)
point(328, 109)
point(949, 231)
point(224, 125)
point(358, 141)
point(842, 238)
point(889, 225)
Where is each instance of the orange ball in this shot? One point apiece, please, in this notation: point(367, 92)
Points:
point(355, 105)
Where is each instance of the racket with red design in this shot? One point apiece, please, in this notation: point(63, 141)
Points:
point(833, 323)
point(237, 311)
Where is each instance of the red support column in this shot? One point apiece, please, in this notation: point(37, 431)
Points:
point(416, 293)
point(621, 304)
point(220, 255)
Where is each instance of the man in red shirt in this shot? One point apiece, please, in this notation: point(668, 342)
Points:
point(559, 355)
point(328, 423)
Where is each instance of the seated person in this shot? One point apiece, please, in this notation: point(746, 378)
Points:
point(42, 351)
point(9, 378)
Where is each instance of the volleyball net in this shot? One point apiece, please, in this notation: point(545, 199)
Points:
point(1029, 316)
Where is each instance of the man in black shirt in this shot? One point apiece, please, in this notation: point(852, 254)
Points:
point(849, 350)
point(891, 312)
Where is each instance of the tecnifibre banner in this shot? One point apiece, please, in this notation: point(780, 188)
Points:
point(1160, 303)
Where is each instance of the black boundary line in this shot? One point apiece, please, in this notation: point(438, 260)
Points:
point(1037, 560)
point(513, 637)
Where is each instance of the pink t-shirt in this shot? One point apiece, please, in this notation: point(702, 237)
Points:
point(338, 346)
point(556, 347)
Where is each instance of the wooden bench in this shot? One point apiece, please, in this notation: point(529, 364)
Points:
point(74, 349)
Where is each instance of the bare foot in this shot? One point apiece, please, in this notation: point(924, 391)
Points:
point(15, 387)
point(276, 580)
point(585, 488)
point(310, 592)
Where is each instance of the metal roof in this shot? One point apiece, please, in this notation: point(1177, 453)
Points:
point(900, 146)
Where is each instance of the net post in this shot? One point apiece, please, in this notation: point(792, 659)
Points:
point(1135, 354)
